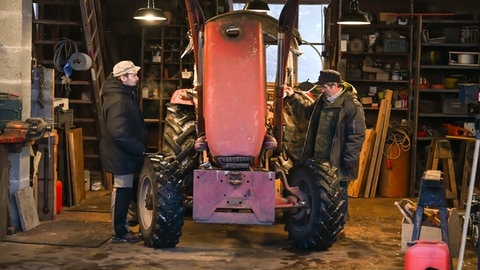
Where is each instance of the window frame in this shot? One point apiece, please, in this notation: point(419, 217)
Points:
point(316, 47)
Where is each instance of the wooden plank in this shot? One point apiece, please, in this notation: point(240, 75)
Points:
point(376, 144)
point(357, 186)
point(376, 155)
point(75, 143)
point(383, 135)
point(27, 209)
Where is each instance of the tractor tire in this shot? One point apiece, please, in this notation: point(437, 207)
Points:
point(316, 226)
point(160, 203)
point(179, 139)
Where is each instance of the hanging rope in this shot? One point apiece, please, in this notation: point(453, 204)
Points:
point(62, 52)
point(398, 138)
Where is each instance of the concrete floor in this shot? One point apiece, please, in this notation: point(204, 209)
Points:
point(372, 241)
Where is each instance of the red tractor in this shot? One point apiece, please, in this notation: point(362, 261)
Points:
point(229, 146)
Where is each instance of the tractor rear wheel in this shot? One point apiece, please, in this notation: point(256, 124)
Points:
point(317, 225)
point(179, 139)
point(166, 178)
point(160, 203)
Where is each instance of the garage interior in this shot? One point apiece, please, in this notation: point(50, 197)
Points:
point(416, 68)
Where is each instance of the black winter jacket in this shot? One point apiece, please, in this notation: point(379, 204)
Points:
point(349, 132)
point(124, 139)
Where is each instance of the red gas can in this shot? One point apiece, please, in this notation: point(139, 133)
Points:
point(59, 196)
point(427, 255)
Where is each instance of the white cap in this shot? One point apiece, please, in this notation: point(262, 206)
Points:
point(124, 67)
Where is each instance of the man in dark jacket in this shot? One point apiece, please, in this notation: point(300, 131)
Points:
point(123, 142)
point(336, 128)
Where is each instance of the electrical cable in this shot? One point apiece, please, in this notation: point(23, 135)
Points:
point(62, 52)
point(398, 137)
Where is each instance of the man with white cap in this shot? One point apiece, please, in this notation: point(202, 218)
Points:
point(123, 142)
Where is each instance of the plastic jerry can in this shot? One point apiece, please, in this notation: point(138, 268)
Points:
point(59, 195)
point(424, 254)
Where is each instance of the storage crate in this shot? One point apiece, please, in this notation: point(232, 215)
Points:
point(63, 118)
point(454, 106)
point(395, 46)
point(354, 74)
point(10, 109)
point(469, 93)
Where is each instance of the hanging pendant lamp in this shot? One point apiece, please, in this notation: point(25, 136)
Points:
point(354, 16)
point(150, 13)
point(257, 6)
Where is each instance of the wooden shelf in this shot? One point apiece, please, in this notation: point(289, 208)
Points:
point(162, 75)
point(376, 109)
point(377, 81)
point(445, 42)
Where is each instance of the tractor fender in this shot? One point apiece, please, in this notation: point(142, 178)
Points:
point(184, 97)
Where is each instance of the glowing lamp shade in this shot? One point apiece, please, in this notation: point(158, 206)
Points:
point(354, 15)
point(150, 13)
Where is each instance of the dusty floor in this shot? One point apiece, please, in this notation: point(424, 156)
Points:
point(372, 242)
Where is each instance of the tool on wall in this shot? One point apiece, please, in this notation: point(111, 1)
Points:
point(453, 130)
point(31, 129)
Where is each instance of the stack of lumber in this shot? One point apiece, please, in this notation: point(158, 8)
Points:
point(371, 155)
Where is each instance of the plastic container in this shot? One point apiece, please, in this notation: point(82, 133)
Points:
point(59, 195)
point(394, 176)
point(425, 254)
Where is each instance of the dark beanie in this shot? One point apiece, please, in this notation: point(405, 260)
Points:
point(329, 76)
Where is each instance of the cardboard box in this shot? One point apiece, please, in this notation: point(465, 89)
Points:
point(387, 17)
point(61, 102)
point(343, 45)
point(434, 233)
point(382, 76)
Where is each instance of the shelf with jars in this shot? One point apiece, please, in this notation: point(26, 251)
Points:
point(375, 58)
point(446, 76)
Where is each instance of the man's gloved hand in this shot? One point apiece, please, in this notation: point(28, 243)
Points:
point(287, 91)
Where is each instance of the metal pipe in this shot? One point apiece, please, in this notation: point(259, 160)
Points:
point(469, 199)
